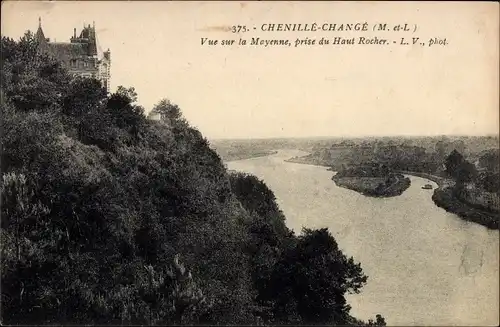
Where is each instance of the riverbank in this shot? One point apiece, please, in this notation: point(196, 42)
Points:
point(306, 160)
point(445, 198)
point(393, 185)
point(440, 181)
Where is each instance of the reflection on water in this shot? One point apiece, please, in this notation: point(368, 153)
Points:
point(425, 266)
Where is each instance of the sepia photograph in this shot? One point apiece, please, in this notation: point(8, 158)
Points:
point(256, 163)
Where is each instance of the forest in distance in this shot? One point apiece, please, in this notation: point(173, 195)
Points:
point(237, 149)
point(111, 217)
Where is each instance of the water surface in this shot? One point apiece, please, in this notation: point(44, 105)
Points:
point(425, 266)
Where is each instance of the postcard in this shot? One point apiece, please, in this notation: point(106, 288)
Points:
point(250, 163)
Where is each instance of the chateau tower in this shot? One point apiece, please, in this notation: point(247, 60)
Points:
point(82, 56)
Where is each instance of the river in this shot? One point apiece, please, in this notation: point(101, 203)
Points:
point(425, 266)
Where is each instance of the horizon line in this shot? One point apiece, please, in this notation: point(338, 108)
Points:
point(349, 137)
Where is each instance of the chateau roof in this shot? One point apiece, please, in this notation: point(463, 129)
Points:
point(85, 45)
point(67, 51)
point(39, 34)
point(86, 32)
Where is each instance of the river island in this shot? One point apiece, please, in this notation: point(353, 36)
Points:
point(372, 180)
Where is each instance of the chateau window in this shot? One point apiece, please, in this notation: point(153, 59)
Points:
point(85, 64)
point(73, 62)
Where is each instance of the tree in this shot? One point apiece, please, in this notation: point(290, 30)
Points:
point(269, 236)
point(173, 294)
point(466, 172)
point(490, 161)
point(167, 111)
point(85, 95)
point(490, 182)
point(128, 93)
point(314, 277)
point(32, 81)
point(459, 146)
point(453, 162)
point(380, 321)
point(19, 253)
point(124, 113)
point(460, 169)
point(85, 115)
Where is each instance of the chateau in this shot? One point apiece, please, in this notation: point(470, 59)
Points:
point(82, 56)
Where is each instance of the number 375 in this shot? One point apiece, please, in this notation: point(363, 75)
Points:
point(239, 29)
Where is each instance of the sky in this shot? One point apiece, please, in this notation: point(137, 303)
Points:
point(261, 92)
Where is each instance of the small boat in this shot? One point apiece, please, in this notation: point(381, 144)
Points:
point(427, 187)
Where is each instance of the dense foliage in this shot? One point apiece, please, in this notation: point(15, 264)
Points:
point(489, 177)
point(474, 193)
point(373, 170)
point(460, 169)
point(424, 155)
point(108, 217)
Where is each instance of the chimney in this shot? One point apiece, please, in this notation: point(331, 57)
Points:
point(74, 32)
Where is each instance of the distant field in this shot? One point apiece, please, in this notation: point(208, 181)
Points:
point(245, 154)
point(231, 150)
